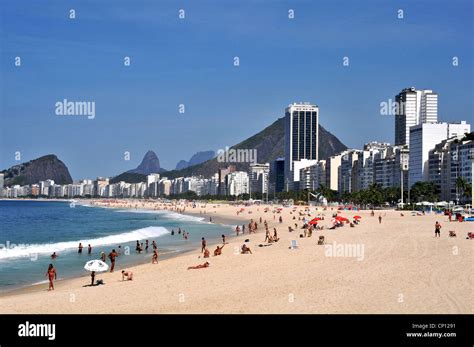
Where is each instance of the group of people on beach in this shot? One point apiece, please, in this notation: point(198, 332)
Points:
point(184, 232)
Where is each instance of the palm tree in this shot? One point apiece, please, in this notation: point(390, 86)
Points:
point(463, 187)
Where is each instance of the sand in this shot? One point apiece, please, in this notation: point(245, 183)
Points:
point(403, 269)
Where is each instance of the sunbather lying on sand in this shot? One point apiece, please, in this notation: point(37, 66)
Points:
point(127, 275)
point(202, 266)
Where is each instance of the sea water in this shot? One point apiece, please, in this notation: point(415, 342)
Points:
point(30, 231)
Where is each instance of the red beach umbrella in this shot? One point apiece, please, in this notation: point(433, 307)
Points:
point(357, 217)
point(314, 221)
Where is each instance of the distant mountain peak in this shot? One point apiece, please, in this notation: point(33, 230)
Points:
point(197, 158)
point(40, 169)
point(150, 164)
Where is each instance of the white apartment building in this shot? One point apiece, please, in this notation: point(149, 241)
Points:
point(152, 187)
point(259, 177)
point(332, 171)
point(449, 160)
point(347, 173)
point(312, 177)
point(424, 138)
point(414, 107)
point(237, 183)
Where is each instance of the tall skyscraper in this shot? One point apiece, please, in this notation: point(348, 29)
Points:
point(301, 137)
point(414, 107)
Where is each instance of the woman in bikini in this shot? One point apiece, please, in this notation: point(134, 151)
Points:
point(154, 259)
point(51, 274)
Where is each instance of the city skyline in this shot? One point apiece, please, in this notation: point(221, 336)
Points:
point(281, 61)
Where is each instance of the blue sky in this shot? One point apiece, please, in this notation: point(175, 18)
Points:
point(190, 61)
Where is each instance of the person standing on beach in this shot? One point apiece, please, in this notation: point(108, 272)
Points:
point(92, 277)
point(153, 244)
point(280, 220)
point(52, 275)
point(380, 219)
point(102, 256)
point(89, 249)
point(112, 256)
point(154, 259)
point(203, 244)
point(437, 229)
point(243, 229)
point(79, 249)
point(267, 235)
point(146, 246)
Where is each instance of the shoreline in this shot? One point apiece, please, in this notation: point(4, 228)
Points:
point(31, 288)
point(400, 258)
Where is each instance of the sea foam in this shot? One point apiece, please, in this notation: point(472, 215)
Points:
point(28, 250)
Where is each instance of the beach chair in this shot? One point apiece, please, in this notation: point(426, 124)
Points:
point(321, 240)
point(293, 245)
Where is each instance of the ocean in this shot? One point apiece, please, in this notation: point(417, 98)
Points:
point(30, 231)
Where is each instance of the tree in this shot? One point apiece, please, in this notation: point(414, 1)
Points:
point(424, 191)
point(463, 187)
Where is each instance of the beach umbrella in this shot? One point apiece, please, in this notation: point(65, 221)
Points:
point(357, 217)
point(96, 265)
point(342, 219)
point(314, 221)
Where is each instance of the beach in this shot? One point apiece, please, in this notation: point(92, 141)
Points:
point(396, 266)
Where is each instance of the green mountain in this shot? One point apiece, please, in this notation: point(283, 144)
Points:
point(269, 144)
point(41, 169)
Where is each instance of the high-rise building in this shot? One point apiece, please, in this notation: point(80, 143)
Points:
point(347, 173)
point(301, 138)
point(366, 164)
point(277, 175)
point(425, 137)
point(237, 183)
point(258, 176)
point(222, 177)
point(332, 171)
point(313, 176)
point(414, 107)
point(152, 184)
point(449, 160)
point(389, 169)
point(2, 182)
